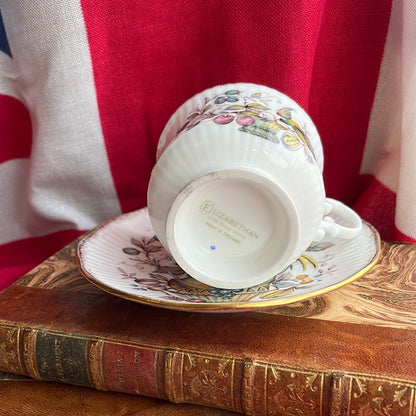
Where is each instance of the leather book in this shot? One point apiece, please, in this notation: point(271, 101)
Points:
point(348, 352)
point(27, 397)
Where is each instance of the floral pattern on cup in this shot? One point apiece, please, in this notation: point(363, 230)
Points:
point(251, 114)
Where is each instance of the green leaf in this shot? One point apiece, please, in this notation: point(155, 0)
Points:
point(131, 251)
point(136, 242)
point(207, 107)
point(192, 116)
point(232, 92)
point(235, 107)
point(258, 106)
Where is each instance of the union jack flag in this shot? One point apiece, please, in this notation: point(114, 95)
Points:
point(86, 88)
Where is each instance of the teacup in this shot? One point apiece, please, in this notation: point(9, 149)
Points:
point(237, 193)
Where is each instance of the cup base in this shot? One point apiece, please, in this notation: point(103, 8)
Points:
point(232, 229)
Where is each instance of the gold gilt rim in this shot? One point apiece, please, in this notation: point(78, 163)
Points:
point(222, 307)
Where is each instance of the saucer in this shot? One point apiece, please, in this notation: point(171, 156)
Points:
point(124, 257)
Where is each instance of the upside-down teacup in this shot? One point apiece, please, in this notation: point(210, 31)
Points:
point(237, 192)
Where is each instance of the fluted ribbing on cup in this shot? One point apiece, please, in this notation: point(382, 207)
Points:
point(203, 150)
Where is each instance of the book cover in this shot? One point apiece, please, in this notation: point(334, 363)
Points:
point(29, 397)
point(348, 352)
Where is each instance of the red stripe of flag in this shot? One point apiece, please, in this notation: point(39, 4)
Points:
point(399, 236)
point(344, 81)
point(148, 58)
point(377, 205)
point(15, 129)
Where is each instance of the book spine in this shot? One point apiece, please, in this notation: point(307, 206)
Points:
point(240, 384)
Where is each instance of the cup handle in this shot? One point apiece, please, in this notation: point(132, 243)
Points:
point(329, 228)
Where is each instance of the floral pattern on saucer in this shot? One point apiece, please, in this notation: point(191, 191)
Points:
point(125, 258)
point(150, 268)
